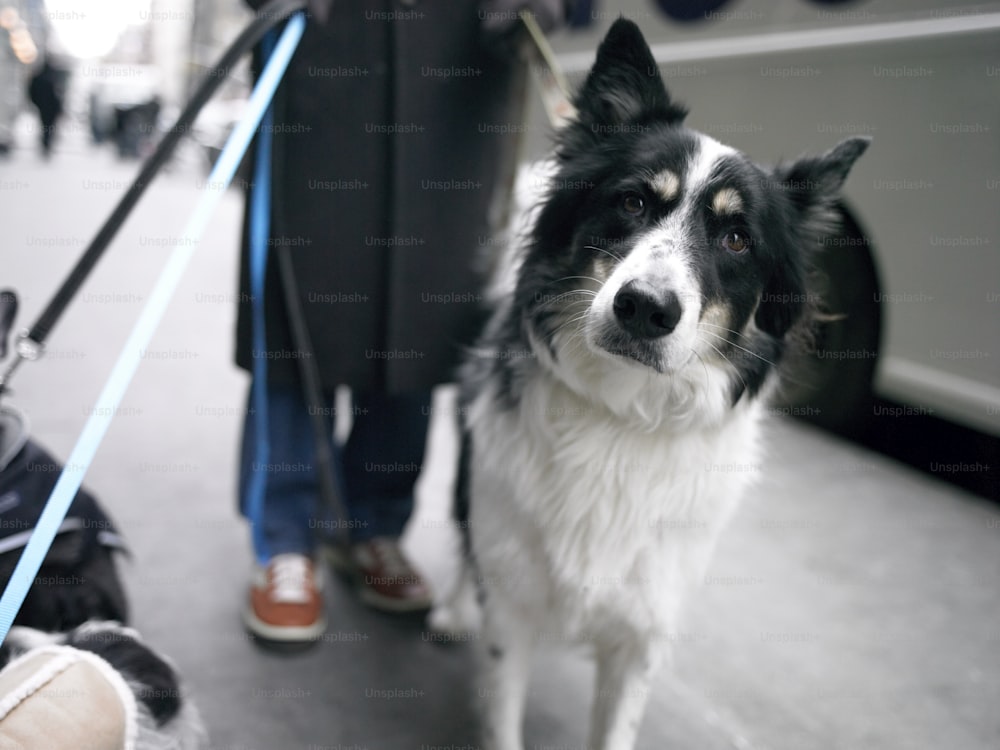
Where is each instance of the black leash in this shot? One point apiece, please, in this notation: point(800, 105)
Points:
point(313, 391)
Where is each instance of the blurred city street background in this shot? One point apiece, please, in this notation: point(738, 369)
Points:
point(852, 604)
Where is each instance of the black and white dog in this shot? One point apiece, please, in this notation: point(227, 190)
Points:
point(620, 385)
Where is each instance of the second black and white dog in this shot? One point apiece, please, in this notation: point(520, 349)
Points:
point(614, 403)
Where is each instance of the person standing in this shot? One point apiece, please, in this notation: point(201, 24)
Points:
point(47, 90)
point(393, 141)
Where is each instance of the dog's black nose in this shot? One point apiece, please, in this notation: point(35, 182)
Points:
point(644, 313)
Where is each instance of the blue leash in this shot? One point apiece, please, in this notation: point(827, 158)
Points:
point(128, 360)
point(259, 232)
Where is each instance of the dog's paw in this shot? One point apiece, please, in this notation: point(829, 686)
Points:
point(450, 623)
point(456, 615)
point(456, 618)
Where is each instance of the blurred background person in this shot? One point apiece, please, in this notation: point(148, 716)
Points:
point(18, 51)
point(47, 91)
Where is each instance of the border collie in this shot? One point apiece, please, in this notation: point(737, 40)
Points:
point(612, 407)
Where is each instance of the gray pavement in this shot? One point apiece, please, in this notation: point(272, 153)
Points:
point(853, 603)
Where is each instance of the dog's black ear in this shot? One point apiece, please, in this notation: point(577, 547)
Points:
point(812, 185)
point(624, 86)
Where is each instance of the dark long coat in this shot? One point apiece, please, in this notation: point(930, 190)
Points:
point(395, 129)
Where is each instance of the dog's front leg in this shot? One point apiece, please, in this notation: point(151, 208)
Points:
point(624, 674)
point(507, 643)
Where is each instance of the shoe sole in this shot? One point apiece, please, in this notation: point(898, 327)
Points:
point(283, 633)
point(386, 604)
point(342, 564)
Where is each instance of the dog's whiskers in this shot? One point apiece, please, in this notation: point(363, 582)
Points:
point(741, 348)
point(610, 254)
point(570, 278)
point(565, 295)
point(569, 322)
point(719, 351)
point(704, 366)
point(723, 328)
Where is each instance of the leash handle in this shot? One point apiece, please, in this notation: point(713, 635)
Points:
point(142, 332)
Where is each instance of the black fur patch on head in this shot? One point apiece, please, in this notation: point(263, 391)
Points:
point(623, 92)
point(796, 213)
point(784, 214)
point(808, 189)
point(737, 282)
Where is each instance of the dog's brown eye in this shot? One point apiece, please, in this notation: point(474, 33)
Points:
point(736, 242)
point(633, 203)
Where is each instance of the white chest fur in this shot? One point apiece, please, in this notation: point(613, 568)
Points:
point(597, 520)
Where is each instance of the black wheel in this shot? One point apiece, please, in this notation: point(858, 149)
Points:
point(828, 381)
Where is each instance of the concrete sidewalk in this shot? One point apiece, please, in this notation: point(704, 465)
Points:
point(853, 604)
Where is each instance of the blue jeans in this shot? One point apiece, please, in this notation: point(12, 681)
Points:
point(375, 469)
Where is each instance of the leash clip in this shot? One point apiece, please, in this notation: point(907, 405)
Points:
point(27, 348)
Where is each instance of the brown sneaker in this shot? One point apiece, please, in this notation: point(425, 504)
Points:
point(385, 578)
point(285, 601)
